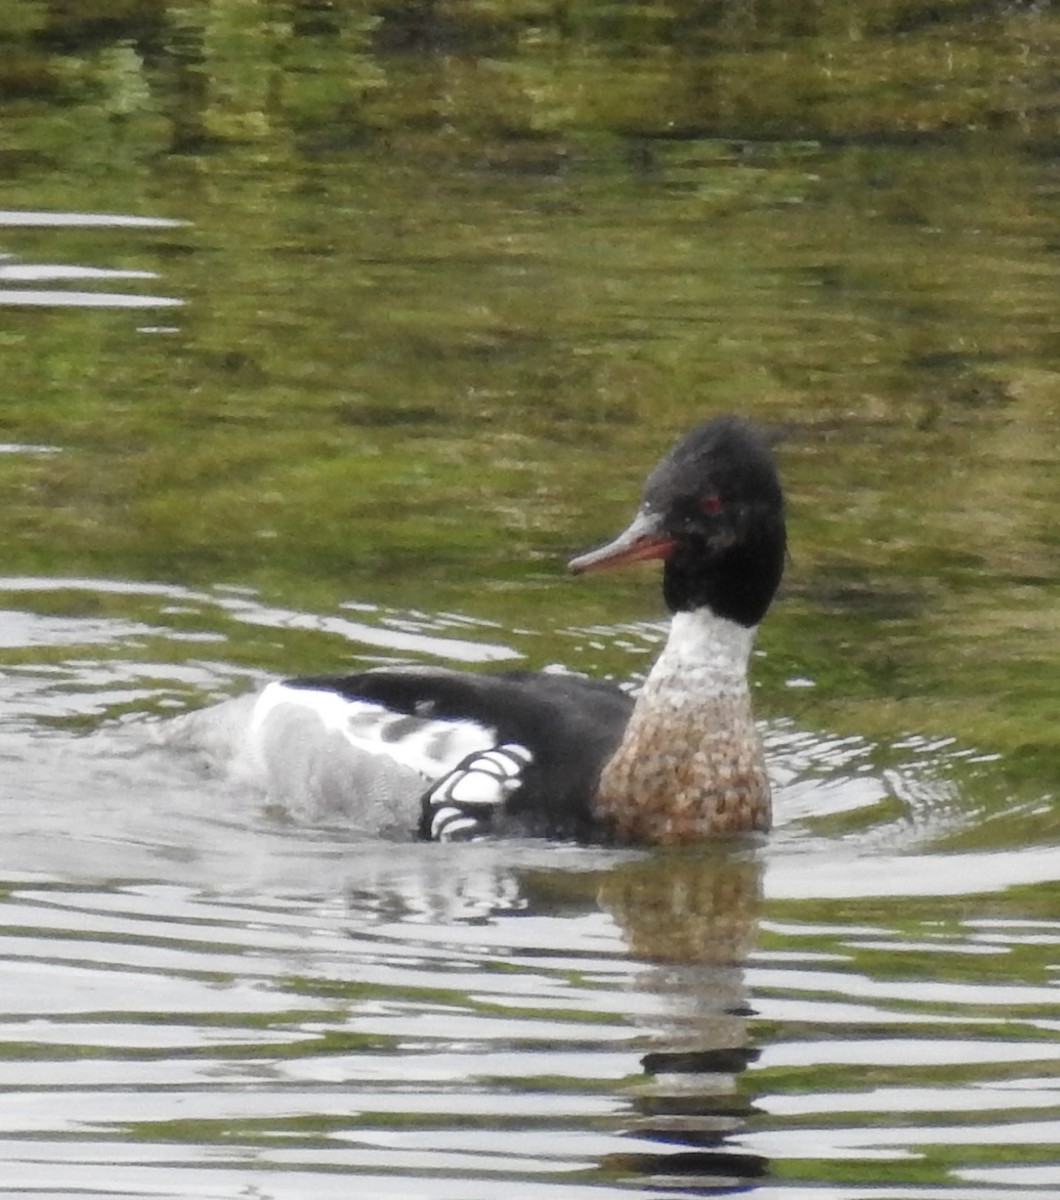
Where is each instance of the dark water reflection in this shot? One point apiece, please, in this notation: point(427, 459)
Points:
point(328, 332)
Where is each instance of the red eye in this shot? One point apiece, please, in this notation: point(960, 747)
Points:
point(711, 505)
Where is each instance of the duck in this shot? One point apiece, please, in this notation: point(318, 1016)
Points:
point(471, 755)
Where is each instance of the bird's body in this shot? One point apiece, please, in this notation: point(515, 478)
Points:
point(559, 754)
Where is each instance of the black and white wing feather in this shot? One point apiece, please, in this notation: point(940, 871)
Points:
point(508, 752)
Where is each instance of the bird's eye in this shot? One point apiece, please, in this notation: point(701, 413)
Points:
point(711, 505)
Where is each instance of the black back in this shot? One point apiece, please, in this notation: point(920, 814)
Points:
point(570, 724)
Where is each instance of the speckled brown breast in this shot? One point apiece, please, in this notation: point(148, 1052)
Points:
point(685, 773)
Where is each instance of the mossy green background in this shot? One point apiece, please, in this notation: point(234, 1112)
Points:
point(451, 275)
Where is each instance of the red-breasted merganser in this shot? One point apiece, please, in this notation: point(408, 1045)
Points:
point(565, 756)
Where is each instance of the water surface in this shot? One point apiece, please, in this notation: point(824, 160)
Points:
point(329, 333)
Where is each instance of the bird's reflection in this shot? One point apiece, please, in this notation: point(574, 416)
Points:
point(692, 920)
point(688, 921)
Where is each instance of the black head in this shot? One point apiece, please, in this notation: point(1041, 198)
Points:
point(713, 510)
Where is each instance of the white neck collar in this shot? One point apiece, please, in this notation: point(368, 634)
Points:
point(703, 644)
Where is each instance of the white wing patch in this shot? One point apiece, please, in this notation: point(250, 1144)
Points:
point(421, 743)
point(463, 805)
